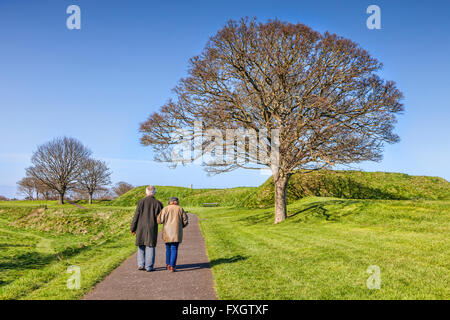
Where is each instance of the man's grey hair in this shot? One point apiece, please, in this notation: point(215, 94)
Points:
point(150, 191)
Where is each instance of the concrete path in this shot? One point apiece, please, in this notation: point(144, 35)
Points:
point(192, 280)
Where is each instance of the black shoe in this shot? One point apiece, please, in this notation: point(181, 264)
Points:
point(141, 268)
point(150, 270)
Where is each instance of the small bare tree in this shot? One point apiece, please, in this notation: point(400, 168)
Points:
point(121, 188)
point(105, 194)
point(94, 176)
point(32, 188)
point(44, 192)
point(57, 164)
point(319, 91)
point(27, 186)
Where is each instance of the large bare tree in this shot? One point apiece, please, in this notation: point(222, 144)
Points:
point(94, 176)
point(57, 164)
point(319, 92)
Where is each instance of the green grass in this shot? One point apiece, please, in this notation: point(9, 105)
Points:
point(37, 247)
point(324, 249)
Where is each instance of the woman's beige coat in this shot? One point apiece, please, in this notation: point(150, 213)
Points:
point(174, 219)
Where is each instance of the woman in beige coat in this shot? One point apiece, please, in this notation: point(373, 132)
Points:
point(174, 219)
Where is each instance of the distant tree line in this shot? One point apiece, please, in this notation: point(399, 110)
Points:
point(63, 167)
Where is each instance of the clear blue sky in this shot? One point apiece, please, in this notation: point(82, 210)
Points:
point(98, 83)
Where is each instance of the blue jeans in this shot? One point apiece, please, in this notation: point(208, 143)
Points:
point(146, 257)
point(171, 253)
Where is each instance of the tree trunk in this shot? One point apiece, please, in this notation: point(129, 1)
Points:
point(280, 198)
point(61, 198)
point(90, 198)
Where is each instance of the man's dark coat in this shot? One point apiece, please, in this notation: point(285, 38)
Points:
point(144, 221)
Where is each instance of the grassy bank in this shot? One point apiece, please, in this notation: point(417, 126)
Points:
point(38, 245)
point(234, 197)
point(358, 185)
point(324, 249)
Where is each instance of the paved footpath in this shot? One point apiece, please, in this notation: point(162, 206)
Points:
point(192, 281)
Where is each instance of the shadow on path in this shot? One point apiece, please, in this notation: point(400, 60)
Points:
point(192, 266)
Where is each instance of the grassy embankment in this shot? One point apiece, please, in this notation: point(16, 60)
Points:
point(321, 252)
point(38, 245)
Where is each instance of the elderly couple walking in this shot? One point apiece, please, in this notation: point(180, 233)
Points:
point(149, 213)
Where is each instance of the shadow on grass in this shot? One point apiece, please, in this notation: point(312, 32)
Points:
point(4, 283)
point(37, 260)
point(29, 260)
point(319, 210)
point(13, 245)
point(263, 217)
point(233, 259)
point(329, 210)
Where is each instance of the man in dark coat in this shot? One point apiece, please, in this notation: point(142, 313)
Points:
point(145, 227)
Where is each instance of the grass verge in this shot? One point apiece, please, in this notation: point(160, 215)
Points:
point(324, 249)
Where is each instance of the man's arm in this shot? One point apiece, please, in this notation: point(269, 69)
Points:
point(159, 210)
point(185, 219)
point(135, 220)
